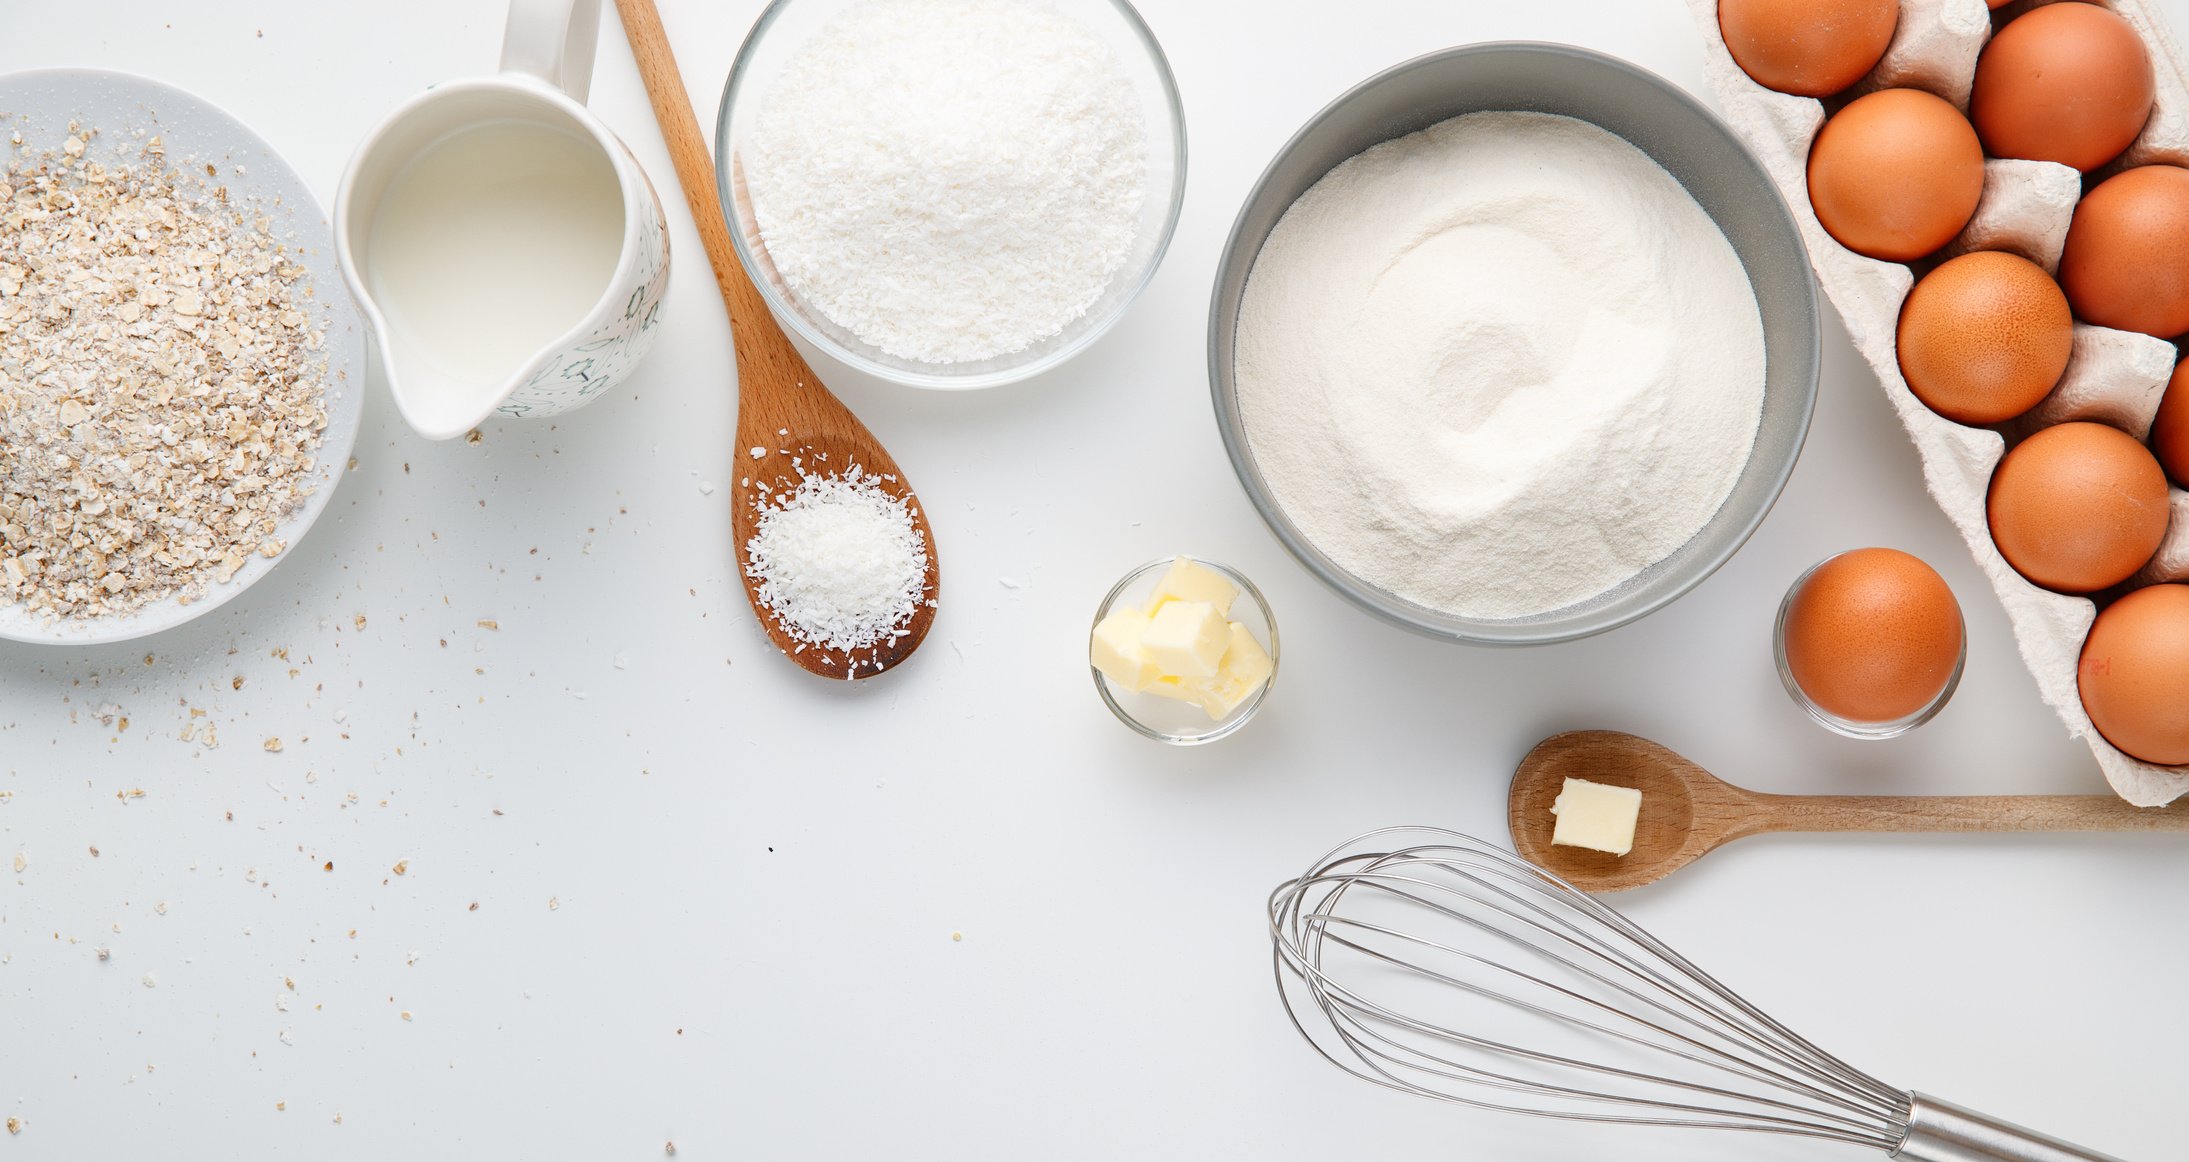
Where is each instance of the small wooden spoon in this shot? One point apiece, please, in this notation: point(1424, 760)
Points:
point(1687, 812)
point(786, 420)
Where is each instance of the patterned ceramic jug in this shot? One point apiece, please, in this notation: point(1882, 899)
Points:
point(460, 343)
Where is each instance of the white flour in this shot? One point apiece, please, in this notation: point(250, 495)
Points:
point(1499, 366)
point(950, 180)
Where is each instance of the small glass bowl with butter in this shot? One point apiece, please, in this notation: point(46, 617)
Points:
point(1183, 650)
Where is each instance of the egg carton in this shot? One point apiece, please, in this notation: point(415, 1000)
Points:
point(2115, 377)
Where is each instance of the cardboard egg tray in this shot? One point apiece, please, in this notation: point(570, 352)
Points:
point(2115, 377)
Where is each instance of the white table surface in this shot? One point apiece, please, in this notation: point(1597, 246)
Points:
point(661, 886)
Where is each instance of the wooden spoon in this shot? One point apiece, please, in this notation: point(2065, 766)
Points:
point(1687, 812)
point(783, 412)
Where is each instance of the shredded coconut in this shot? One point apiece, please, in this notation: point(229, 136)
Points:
point(1499, 366)
point(950, 180)
point(840, 561)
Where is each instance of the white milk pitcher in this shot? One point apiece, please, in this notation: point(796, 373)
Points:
point(505, 246)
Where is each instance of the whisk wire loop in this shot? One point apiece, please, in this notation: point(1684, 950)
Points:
point(1682, 1046)
point(1450, 969)
point(1662, 994)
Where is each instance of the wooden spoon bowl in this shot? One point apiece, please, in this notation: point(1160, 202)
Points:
point(1674, 829)
point(820, 443)
point(1687, 812)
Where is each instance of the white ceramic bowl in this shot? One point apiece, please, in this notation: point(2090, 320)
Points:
point(778, 35)
point(119, 106)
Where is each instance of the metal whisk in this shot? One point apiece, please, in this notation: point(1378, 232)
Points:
point(1442, 966)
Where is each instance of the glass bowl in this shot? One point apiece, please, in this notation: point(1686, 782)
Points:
point(1851, 728)
point(776, 38)
point(1167, 719)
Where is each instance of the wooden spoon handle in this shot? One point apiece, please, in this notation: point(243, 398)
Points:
point(752, 329)
point(1960, 813)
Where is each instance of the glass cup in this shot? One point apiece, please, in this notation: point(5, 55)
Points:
point(1167, 719)
point(1852, 728)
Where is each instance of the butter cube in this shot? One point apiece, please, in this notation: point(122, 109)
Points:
point(1596, 816)
point(1115, 649)
point(1186, 640)
point(1189, 581)
point(1169, 686)
point(1245, 667)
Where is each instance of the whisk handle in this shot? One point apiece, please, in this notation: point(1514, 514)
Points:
point(1940, 1131)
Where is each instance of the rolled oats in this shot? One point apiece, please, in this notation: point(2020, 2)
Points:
point(161, 382)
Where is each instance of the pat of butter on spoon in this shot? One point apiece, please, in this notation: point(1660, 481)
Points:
point(1597, 816)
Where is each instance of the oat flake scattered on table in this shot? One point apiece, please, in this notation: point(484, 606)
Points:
point(160, 382)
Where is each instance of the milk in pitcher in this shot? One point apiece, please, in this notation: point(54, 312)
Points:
point(490, 245)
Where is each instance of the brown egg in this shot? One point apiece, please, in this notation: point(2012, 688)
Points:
point(2126, 262)
point(1810, 48)
point(1984, 337)
point(2069, 83)
point(2135, 674)
point(1896, 174)
point(2078, 507)
point(1873, 635)
point(2170, 431)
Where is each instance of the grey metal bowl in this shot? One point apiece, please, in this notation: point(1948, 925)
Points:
point(1661, 120)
